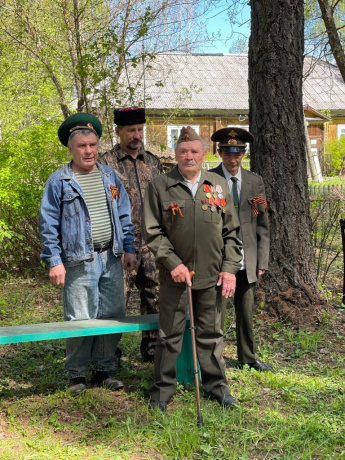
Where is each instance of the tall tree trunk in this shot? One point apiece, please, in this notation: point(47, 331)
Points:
point(278, 153)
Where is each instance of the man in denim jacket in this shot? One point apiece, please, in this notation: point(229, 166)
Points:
point(85, 227)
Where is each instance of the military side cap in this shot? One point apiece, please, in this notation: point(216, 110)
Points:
point(79, 121)
point(188, 134)
point(129, 116)
point(232, 139)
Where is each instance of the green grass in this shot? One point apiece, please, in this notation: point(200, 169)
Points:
point(297, 412)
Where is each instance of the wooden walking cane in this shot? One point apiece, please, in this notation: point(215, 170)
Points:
point(342, 227)
point(200, 421)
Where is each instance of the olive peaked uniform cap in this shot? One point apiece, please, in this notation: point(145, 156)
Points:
point(79, 121)
point(129, 116)
point(188, 134)
point(232, 139)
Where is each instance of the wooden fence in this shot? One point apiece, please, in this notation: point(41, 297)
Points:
point(319, 191)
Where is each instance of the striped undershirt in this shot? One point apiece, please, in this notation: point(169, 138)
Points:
point(96, 201)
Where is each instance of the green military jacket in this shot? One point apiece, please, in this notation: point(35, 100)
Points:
point(199, 232)
point(134, 175)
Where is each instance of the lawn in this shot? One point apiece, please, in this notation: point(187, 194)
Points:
point(297, 412)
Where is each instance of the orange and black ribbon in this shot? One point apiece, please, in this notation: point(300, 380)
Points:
point(175, 208)
point(255, 202)
point(114, 193)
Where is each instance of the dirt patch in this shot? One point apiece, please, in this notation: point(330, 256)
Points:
point(299, 307)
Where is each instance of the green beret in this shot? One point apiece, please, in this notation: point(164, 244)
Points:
point(79, 121)
point(232, 139)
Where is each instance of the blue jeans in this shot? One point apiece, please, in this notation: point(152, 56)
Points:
point(93, 289)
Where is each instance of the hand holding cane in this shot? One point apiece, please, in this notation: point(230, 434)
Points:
point(195, 360)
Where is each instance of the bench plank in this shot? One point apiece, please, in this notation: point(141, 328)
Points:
point(83, 328)
point(92, 327)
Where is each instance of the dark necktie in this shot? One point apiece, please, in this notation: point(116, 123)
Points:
point(236, 201)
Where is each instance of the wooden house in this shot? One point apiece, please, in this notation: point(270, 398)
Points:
point(210, 91)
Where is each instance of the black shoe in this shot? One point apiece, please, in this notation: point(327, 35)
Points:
point(227, 402)
point(161, 405)
point(77, 385)
point(103, 379)
point(257, 365)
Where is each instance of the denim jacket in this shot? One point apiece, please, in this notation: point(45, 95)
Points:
point(65, 224)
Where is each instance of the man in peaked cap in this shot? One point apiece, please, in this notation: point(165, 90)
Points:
point(136, 168)
point(248, 192)
point(83, 207)
point(190, 224)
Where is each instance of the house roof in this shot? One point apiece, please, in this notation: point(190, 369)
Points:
point(313, 114)
point(213, 83)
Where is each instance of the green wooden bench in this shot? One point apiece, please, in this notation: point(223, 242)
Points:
point(66, 329)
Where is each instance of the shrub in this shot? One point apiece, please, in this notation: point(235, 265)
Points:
point(335, 156)
point(26, 161)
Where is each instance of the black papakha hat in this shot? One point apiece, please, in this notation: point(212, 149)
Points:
point(79, 121)
point(232, 139)
point(129, 116)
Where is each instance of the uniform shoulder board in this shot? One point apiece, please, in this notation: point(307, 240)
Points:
point(252, 172)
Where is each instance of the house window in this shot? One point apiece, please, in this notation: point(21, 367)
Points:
point(173, 132)
point(341, 131)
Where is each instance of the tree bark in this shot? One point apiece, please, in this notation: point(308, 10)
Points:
point(278, 152)
point(327, 12)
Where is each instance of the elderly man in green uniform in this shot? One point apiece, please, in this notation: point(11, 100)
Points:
point(190, 224)
point(248, 191)
point(136, 167)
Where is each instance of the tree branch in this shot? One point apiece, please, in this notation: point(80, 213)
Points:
point(333, 36)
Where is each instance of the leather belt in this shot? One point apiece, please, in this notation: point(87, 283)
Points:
point(102, 247)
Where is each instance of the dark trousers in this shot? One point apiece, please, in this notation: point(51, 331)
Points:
point(209, 340)
point(244, 309)
point(146, 280)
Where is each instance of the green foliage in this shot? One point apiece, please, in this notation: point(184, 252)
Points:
point(335, 156)
point(211, 157)
point(26, 161)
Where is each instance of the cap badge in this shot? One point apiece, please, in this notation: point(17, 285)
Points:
point(232, 142)
point(232, 133)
